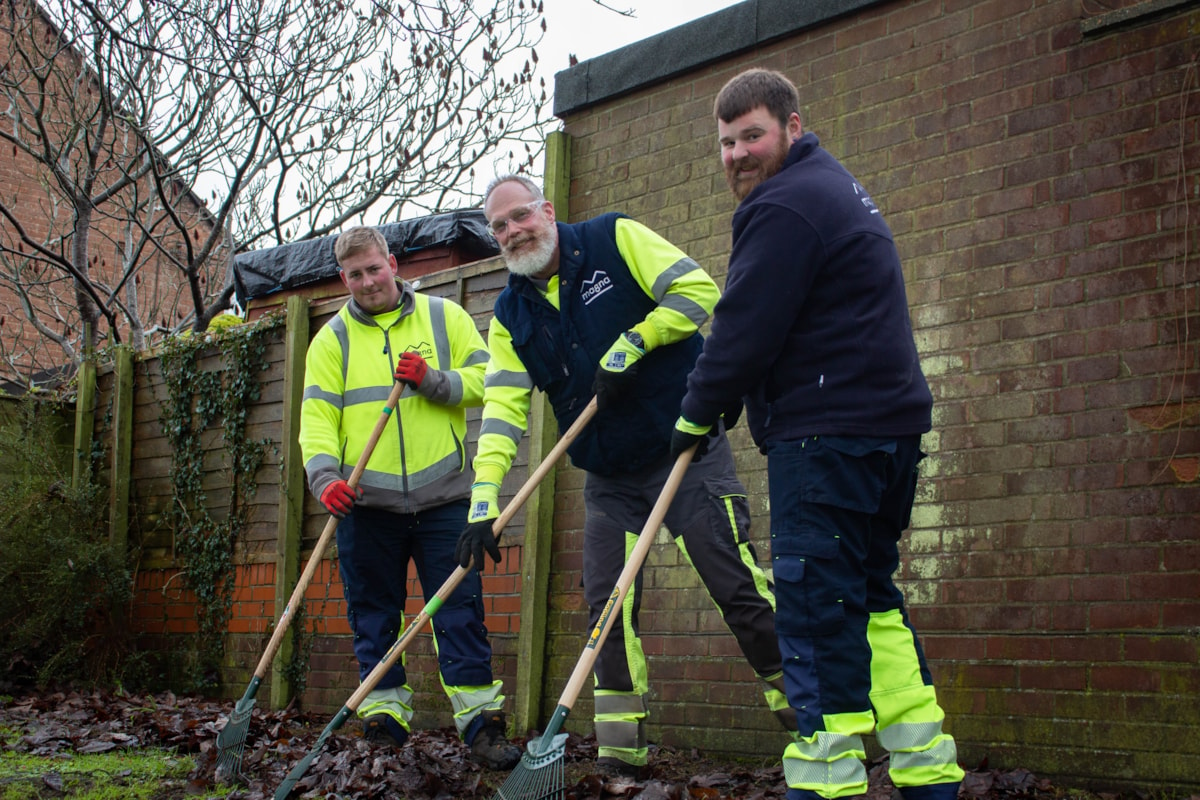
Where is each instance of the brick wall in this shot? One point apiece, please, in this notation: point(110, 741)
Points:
point(1039, 162)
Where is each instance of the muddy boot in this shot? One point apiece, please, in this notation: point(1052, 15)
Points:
point(614, 768)
point(491, 747)
point(383, 729)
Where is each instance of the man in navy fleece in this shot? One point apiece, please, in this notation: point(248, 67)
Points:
point(813, 329)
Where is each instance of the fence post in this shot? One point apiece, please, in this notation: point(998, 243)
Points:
point(539, 515)
point(85, 420)
point(122, 449)
point(292, 487)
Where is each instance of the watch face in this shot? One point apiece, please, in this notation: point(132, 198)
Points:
point(635, 339)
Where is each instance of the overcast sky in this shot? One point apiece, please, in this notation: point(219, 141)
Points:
point(587, 29)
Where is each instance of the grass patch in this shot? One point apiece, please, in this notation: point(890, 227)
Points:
point(118, 775)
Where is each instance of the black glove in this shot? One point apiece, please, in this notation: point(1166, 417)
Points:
point(687, 434)
point(732, 415)
point(474, 539)
point(608, 386)
point(618, 369)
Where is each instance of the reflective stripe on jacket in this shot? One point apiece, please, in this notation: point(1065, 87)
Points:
point(420, 460)
point(613, 275)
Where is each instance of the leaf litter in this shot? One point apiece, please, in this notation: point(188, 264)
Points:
point(433, 764)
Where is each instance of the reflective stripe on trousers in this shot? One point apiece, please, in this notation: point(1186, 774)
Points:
point(621, 726)
point(469, 701)
point(851, 660)
point(709, 520)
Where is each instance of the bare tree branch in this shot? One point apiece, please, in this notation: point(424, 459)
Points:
point(628, 12)
point(165, 136)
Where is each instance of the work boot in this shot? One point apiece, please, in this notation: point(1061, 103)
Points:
point(384, 729)
point(491, 747)
point(610, 767)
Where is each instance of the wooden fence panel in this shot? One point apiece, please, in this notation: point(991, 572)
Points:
point(164, 607)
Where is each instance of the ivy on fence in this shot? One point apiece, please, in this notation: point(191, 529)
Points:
point(200, 400)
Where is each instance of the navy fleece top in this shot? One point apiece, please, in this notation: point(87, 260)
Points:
point(813, 327)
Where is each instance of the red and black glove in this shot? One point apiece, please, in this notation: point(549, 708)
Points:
point(338, 498)
point(411, 369)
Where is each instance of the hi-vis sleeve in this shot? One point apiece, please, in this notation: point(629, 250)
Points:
point(467, 364)
point(506, 392)
point(685, 293)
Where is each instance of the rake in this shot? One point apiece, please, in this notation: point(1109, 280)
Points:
point(431, 607)
point(539, 776)
point(231, 741)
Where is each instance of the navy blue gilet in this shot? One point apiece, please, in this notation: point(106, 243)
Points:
point(561, 350)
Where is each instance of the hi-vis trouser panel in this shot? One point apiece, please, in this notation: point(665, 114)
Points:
point(374, 548)
point(710, 521)
point(852, 663)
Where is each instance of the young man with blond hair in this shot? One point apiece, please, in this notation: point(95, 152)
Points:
point(412, 496)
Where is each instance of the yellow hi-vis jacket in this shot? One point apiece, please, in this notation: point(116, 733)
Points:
point(421, 460)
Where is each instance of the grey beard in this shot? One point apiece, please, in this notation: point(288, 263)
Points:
point(531, 262)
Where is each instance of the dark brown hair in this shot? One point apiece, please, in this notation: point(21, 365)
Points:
point(757, 87)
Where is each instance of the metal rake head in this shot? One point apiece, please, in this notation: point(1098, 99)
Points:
point(539, 776)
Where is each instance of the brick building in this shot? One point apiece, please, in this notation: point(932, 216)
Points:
point(38, 63)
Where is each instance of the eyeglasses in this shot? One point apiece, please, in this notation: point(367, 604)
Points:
point(518, 216)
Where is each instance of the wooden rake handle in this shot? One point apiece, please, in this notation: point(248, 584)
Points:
point(615, 601)
point(368, 684)
point(289, 611)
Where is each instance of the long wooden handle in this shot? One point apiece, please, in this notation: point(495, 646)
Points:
point(289, 611)
point(531, 483)
point(615, 601)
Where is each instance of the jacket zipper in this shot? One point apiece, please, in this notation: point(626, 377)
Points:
point(387, 348)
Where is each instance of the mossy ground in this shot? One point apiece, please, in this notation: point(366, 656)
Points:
point(119, 775)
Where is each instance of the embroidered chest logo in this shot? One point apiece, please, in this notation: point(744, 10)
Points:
point(424, 350)
point(595, 286)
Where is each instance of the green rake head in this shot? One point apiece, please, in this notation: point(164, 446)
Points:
point(289, 782)
point(231, 741)
point(539, 776)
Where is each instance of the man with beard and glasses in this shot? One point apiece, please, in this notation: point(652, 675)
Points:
point(608, 307)
point(836, 399)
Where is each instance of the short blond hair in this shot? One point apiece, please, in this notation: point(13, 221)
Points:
point(356, 240)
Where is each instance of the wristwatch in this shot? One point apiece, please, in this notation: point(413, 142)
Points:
point(635, 339)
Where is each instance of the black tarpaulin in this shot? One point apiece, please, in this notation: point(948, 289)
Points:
point(261, 272)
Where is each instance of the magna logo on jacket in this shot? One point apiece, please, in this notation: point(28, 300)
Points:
point(595, 286)
point(424, 349)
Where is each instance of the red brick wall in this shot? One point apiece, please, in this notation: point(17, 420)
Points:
point(165, 610)
point(1041, 172)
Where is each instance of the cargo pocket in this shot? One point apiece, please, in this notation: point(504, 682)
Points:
point(728, 510)
point(846, 473)
point(807, 595)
